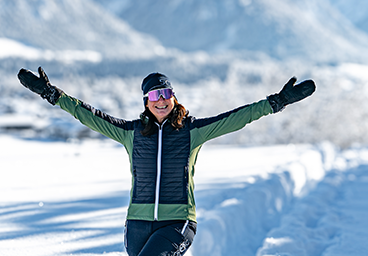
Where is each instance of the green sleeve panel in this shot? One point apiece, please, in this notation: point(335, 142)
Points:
point(209, 128)
point(116, 129)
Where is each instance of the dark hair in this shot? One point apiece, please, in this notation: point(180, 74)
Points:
point(175, 118)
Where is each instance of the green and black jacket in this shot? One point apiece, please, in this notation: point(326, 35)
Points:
point(162, 164)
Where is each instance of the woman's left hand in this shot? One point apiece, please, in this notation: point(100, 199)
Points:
point(291, 93)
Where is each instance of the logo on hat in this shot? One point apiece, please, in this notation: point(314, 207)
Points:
point(164, 82)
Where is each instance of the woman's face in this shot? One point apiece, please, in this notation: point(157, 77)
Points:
point(161, 108)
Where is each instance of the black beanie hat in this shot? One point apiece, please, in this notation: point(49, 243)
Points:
point(154, 81)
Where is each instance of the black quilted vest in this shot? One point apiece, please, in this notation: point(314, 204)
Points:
point(172, 185)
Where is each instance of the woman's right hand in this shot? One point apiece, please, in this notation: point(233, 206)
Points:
point(40, 85)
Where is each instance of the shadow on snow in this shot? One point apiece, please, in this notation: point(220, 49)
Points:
point(70, 217)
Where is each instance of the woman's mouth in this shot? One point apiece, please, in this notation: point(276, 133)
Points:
point(161, 107)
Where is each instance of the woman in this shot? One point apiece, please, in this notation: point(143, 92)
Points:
point(162, 146)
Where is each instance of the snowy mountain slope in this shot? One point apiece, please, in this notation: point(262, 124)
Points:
point(79, 37)
point(13, 49)
point(355, 11)
point(76, 25)
point(306, 29)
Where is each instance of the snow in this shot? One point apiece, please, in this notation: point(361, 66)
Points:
point(72, 29)
point(65, 190)
point(313, 29)
point(70, 198)
point(11, 48)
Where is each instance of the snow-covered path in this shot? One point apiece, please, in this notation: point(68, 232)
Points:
point(331, 220)
point(71, 198)
point(349, 214)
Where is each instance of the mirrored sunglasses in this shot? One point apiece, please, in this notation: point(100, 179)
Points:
point(156, 94)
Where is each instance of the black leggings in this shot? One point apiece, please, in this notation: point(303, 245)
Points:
point(151, 238)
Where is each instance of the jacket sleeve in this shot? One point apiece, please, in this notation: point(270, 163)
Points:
point(206, 129)
point(116, 129)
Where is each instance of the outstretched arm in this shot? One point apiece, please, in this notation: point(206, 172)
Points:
point(209, 128)
point(291, 93)
point(40, 85)
point(114, 128)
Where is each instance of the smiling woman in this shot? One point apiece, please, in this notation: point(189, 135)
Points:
point(160, 103)
point(160, 96)
point(163, 145)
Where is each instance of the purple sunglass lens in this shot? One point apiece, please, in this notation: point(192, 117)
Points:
point(155, 95)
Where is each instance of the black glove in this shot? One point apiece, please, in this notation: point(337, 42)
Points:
point(290, 94)
point(40, 85)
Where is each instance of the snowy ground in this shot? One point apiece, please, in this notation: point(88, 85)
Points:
point(70, 199)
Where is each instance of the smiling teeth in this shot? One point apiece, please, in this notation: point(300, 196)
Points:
point(161, 107)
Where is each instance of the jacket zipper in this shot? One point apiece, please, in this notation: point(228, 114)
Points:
point(158, 177)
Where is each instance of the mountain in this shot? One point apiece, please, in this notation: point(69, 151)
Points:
point(218, 54)
point(79, 37)
point(138, 36)
point(312, 29)
point(74, 25)
point(355, 11)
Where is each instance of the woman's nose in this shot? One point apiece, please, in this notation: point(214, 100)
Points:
point(161, 98)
